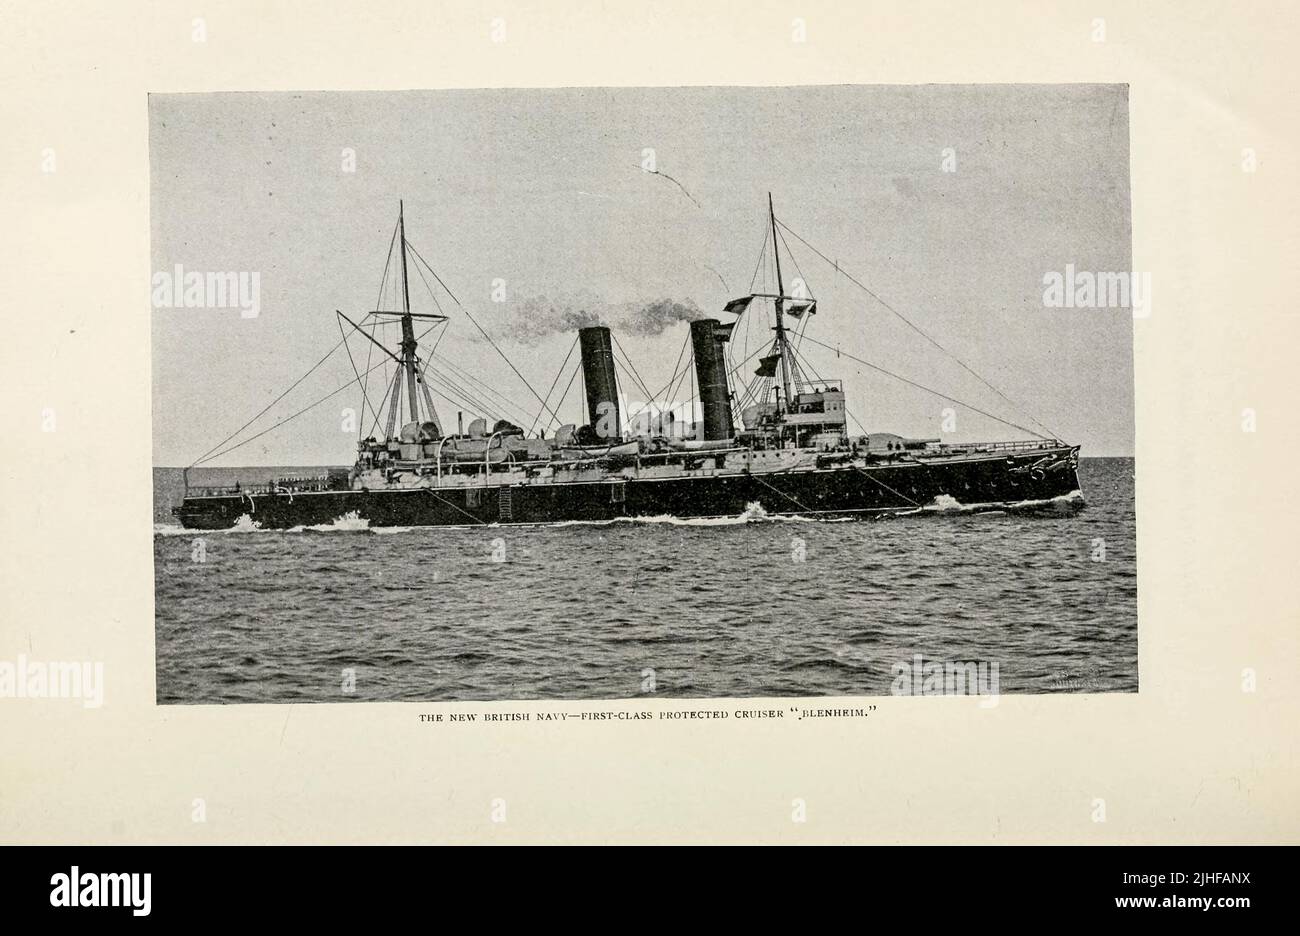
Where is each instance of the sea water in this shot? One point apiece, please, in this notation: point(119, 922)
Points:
point(743, 606)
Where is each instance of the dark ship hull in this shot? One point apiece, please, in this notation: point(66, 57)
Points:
point(981, 481)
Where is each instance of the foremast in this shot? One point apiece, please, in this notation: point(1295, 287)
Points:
point(409, 344)
point(409, 371)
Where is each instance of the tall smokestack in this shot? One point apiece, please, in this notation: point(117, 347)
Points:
point(707, 339)
point(598, 375)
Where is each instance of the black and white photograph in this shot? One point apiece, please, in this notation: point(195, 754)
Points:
point(598, 423)
point(621, 393)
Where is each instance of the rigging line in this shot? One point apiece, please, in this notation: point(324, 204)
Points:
point(729, 373)
point(567, 386)
point(209, 457)
point(762, 255)
point(205, 455)
point(739, 407)
point(512, 412)
point(751, 392)
point(471, 389)
point(558, 374)
point(460, 398)
point(463, 399)
point(679, 374)
point(687, 369)
point(886, 486)
point(693, 395)
point(498, 399)
point(805, 361)
point(425, 281)
point(387, 391)
point(485, 396)
point(364, 395)
point(729, 347)
point(485, 335)
point(744, 362)
point(686, 343)
point(379, 304)
point(281, 422)
point(577, 368)
point(437, 341)
point(937, 393)
point(628, 361)
point(676, 368)
point(671, 380)
point(793, 259)
point(434, 272)
point(394, 409)
point(631, 376)
point(752, 387)
point(798, 338)
point(748, 320)
point(482, 387)
point(676, 400)
point(387, 263)
point(463, 395)
point(781, 492)
point(917, 329)
point(856, 420)
point(630, 373)
point(427, 361)
point(454, 507)
point(484, 405)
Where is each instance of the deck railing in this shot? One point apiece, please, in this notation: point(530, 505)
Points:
point(1022, 446)
point(275, 486)
point(298, 485)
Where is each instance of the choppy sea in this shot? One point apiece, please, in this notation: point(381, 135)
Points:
point(740, 607)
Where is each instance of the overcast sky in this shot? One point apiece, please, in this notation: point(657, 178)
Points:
point(544, 189)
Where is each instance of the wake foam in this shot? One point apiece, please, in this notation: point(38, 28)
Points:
point(350, 522)
point(947, 504)
point(754, 512)
point(244, 524)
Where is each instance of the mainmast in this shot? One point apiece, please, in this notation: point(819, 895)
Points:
point(780, 307)
point(408, 330)
point(791, 380)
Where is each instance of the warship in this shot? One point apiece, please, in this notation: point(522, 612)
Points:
point(773, 441)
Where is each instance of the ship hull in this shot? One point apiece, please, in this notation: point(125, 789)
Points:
point(837, 491)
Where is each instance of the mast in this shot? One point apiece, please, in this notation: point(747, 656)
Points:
point(780, 307)
point(408, 330)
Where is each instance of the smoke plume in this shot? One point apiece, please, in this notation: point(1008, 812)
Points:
point(537, 317)
point(652, 319)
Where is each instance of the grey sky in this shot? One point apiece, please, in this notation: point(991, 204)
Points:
point(544, 190)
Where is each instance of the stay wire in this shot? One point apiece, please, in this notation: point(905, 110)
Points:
point(920, 332)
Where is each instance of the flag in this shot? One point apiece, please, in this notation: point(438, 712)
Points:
point(737, 306)
point(799, 306)
point(767, 365)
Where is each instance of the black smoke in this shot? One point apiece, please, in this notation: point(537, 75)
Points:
point(652, 319)
point(538, 317)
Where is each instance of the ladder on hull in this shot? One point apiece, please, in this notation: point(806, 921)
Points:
point(505, 504)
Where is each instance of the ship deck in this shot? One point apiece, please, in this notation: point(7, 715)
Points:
point(676, 465)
